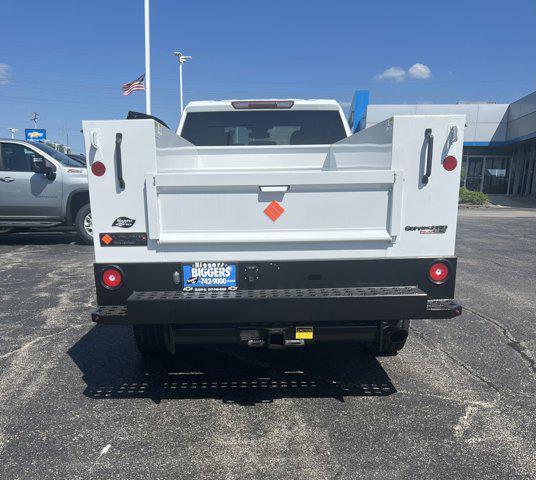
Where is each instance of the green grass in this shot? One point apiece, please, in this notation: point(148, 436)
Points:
point(469, 197)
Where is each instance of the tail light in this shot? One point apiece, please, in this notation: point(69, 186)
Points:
point(243, 105)
point(98, 169)
point(112, 278)
point(450, 163)
point(438, 272)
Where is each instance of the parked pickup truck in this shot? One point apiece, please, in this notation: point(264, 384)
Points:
point(42, 188)
point(268, 223)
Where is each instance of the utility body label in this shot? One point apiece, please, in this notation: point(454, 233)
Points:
point(427, 229)
point(123, 239)
point(123, 222)
point(205, 276)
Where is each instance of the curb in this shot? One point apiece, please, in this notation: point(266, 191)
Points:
point(471, 206)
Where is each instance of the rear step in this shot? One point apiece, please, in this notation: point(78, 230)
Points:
point(281, 305)
point(273, 307)
point(117, 315)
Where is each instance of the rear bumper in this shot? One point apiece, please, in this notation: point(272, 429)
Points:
point(323, 307)
point(341, 300)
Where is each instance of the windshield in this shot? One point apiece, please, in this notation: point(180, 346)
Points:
point(60, 157)
point(267, 127)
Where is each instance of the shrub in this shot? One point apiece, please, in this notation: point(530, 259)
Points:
point(472, 198)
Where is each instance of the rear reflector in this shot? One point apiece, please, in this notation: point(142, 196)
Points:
point(438, 272)
point(112, 278)
point(243, 105)
point(450, 163)
point(98, 169)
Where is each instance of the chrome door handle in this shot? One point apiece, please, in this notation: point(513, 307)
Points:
point(7, 179)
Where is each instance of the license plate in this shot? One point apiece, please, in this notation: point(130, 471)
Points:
point(205, 276)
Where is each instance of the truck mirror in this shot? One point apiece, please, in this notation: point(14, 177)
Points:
point(39, 165)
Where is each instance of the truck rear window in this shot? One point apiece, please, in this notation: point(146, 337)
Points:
point(267, 127)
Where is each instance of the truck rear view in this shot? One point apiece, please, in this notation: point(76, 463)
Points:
point(267, 223)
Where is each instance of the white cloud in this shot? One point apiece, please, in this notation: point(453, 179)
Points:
point(4, 73)
point(420, 71)
point(392, 74)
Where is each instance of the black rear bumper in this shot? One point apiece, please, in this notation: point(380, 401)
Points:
point(323, 306)
point(342, 300)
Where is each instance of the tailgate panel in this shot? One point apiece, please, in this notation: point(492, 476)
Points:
point(226, 208)
point(213, 213)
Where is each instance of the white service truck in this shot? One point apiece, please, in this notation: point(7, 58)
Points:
point(268, 223)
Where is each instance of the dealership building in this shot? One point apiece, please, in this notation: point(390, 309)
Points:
point(499, 153)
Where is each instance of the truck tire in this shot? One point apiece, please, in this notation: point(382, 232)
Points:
point(154, 339)
point(84, 226)
point(393, 340)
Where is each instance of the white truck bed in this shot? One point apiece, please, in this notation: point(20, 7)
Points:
point(353, 199)
point(266, 233)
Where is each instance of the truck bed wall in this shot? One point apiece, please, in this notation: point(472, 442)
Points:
point(150, 151)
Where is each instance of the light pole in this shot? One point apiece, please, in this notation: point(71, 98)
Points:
point(13, 132)
point(181, 58)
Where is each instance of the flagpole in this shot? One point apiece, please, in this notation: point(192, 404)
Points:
point(147, 60)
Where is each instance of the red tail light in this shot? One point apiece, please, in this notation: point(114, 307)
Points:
point(112, 278)
point(450, 163)
point(98, 169)
point(438, 272)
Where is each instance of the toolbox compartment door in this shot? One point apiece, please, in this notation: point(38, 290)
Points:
point(193, 207)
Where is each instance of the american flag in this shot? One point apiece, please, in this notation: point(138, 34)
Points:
point(137, 84)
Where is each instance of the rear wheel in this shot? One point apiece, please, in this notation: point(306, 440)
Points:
point(393, 339)
point(84, 224)
point(154, 339)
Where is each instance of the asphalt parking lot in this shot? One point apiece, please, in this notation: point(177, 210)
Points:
point(76, 402)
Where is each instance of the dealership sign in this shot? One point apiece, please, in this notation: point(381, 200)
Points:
point(35, 134)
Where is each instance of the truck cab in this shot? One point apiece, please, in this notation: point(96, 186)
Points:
point(267, 223)
point(41, 187)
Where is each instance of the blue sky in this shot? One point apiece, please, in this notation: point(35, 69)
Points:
point(68, 59)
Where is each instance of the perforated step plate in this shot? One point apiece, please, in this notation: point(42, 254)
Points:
point(277, 306)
